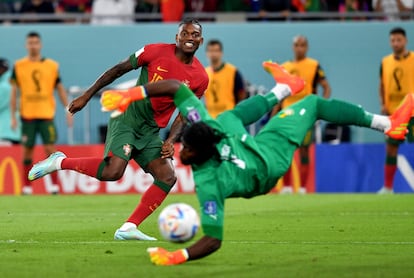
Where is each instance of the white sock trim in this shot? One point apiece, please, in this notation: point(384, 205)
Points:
point(281, 91)
point(127, 225)
point(381, 123)
point(59, 163)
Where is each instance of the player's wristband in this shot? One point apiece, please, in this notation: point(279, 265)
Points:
point(137, 93)
point(180, 256)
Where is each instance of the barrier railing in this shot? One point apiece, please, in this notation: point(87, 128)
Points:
point(85, 18)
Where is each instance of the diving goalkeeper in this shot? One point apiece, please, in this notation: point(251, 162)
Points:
point(228, 162)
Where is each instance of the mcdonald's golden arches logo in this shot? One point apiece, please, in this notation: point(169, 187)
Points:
point(9, 162)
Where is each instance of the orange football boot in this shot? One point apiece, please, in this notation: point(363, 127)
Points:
point(400, 118)
point(280, 75)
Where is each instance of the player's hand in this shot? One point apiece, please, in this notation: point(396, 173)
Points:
point(160, 256)
point(119, 100)
point(167, 150)
point(77, 104)
point(115, 100)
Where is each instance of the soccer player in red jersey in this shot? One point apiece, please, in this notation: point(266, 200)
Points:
point(134, 134)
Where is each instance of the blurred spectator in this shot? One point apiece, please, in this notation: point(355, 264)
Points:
point(392, 7)
point(314, 5)
point(282, 6)
point(298, 5)
point(113, 12)
point(37, 7)
point(205, 6)
point(6, 7)
point(226, 86)
point(6, 132)
point(234, 5)
point(74, 6)
point(346, 6)
point(172, 10)
point(146, 7)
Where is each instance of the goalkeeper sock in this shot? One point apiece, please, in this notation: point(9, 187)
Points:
point(381, 123)
point(281, 91)
point(341, 112)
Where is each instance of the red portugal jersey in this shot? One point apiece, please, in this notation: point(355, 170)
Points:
point(158, 62)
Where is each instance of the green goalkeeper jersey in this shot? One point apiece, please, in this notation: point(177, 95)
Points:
point(240, 171)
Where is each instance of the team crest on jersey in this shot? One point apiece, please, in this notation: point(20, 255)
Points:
point(193, 116)
point(127, 149)
point(210, 207)
point(286, 112)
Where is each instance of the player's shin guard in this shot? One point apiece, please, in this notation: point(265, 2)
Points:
point(389, 171)
point(150, 200)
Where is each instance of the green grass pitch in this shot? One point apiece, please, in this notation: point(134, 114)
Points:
point(268, 236)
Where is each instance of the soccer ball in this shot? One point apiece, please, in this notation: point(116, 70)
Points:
point(178, 222)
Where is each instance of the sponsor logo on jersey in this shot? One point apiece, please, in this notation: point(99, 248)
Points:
point(286, 112)
point(159, 68)
point(127, 149)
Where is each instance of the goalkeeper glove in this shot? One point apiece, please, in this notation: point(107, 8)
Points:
point(160, 256)
point(119, 100)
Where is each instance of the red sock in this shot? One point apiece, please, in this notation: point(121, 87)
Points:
point(304, 172)
point(54, 178)
point(150, 200)
point(27, 165)
point(389, 171)
point(85, 165)
point(287, 178)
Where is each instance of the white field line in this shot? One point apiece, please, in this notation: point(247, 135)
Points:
point(34, 242)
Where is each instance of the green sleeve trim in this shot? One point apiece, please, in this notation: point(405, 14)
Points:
point(182, 95)
point(134, 61)
point(213, 231)
point(100, 169)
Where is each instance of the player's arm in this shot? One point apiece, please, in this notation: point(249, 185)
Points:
point(323, 82)
point(212, 219)
point(381, 92)
point(105, 79)
point(240, 92)
point(13, 100)
point(167, 149)
point(202, 248)
point(184, 98)
point(63, 96)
